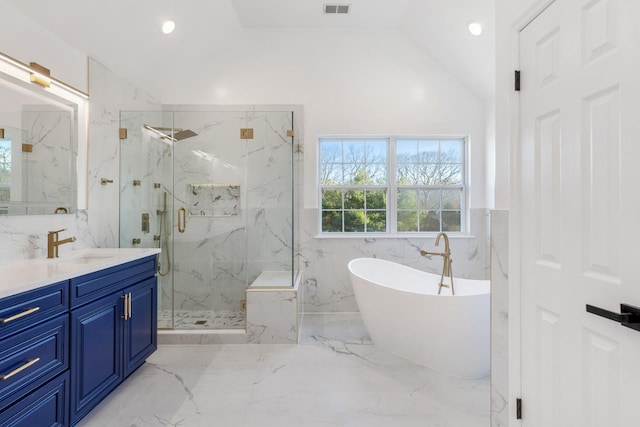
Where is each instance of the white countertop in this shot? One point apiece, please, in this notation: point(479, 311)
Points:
point(25, 275)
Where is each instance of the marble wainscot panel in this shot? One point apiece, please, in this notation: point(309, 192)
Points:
point(499, 318)
point(327, 285)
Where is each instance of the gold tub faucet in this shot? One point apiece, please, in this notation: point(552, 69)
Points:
point(446, 262)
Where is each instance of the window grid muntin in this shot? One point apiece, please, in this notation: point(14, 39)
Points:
point(365, 209)
point(393, 188)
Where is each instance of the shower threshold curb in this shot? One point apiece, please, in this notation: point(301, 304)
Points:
point(200, 336)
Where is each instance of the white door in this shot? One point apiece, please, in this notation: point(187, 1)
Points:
point(580, 213)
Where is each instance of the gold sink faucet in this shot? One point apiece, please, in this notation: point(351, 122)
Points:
point(53, 243)
point(446, 262)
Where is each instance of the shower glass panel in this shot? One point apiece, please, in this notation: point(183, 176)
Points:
point(221, 208)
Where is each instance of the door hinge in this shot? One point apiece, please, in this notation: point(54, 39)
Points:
point(518, 409)
point(517, 80)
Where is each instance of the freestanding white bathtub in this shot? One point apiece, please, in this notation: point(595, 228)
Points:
point(404, 315)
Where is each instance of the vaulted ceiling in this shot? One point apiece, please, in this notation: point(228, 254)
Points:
point(124, 35)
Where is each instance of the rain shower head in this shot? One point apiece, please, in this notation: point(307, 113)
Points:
point(180, 134)
point(164, 133)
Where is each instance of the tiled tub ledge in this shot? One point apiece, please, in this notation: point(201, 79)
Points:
point(273, 316)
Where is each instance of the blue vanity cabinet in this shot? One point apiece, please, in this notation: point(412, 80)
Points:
point(34, 357)
point(113, 330)
point(46, 406)
point(96, 366)
point(140, 329)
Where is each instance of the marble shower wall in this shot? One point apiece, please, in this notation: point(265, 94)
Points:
point(141, 166)
point(109, 94)
point(218, 256)
point(327, 286)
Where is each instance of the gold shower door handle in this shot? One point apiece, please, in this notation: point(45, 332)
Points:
point(182, 225)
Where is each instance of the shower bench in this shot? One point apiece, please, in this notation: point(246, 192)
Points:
point(273, 308)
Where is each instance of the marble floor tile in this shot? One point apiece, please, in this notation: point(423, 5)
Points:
point(334, 377)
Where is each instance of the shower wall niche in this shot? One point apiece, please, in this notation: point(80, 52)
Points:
point(219, 205)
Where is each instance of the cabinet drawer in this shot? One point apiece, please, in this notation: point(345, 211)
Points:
point(32, 357)
point(46, 406)
point(92, 286)
point(25, 310)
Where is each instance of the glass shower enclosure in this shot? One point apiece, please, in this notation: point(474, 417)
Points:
point(215, 191)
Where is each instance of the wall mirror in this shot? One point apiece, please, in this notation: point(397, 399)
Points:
point(42, 134)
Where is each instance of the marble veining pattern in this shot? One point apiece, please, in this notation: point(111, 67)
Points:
point(239, 220)
point(109, 95)
point(213, 200)
point(335, 377)
point(324, 261)
point(272, 316)
point(499, 318)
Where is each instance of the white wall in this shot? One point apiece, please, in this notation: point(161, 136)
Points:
point(27, 41)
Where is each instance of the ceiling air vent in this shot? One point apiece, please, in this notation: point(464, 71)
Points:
point(336, 8)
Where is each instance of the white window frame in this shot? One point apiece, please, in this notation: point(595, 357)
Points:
point(392, 187)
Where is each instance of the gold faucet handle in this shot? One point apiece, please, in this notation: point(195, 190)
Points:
point(58, 231)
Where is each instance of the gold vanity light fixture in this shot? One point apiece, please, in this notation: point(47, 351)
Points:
point(37, 74)
point(1, 133)
point(40, 75)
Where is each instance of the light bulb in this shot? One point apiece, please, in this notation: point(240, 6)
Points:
point(475, 28)
point(168, 27)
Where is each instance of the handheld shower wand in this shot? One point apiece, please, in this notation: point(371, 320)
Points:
point(163, 241)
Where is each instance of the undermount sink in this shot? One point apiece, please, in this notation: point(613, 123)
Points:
point(86, 259)
point(83, 258)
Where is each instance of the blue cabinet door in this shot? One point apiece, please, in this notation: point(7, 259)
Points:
point(140, 329)
point(44, 407)
point(96, 353)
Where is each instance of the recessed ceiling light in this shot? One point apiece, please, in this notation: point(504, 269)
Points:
point(168, 27)
point(475, 28)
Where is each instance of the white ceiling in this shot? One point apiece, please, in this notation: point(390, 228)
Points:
point(309, 13)
point(124, 35)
